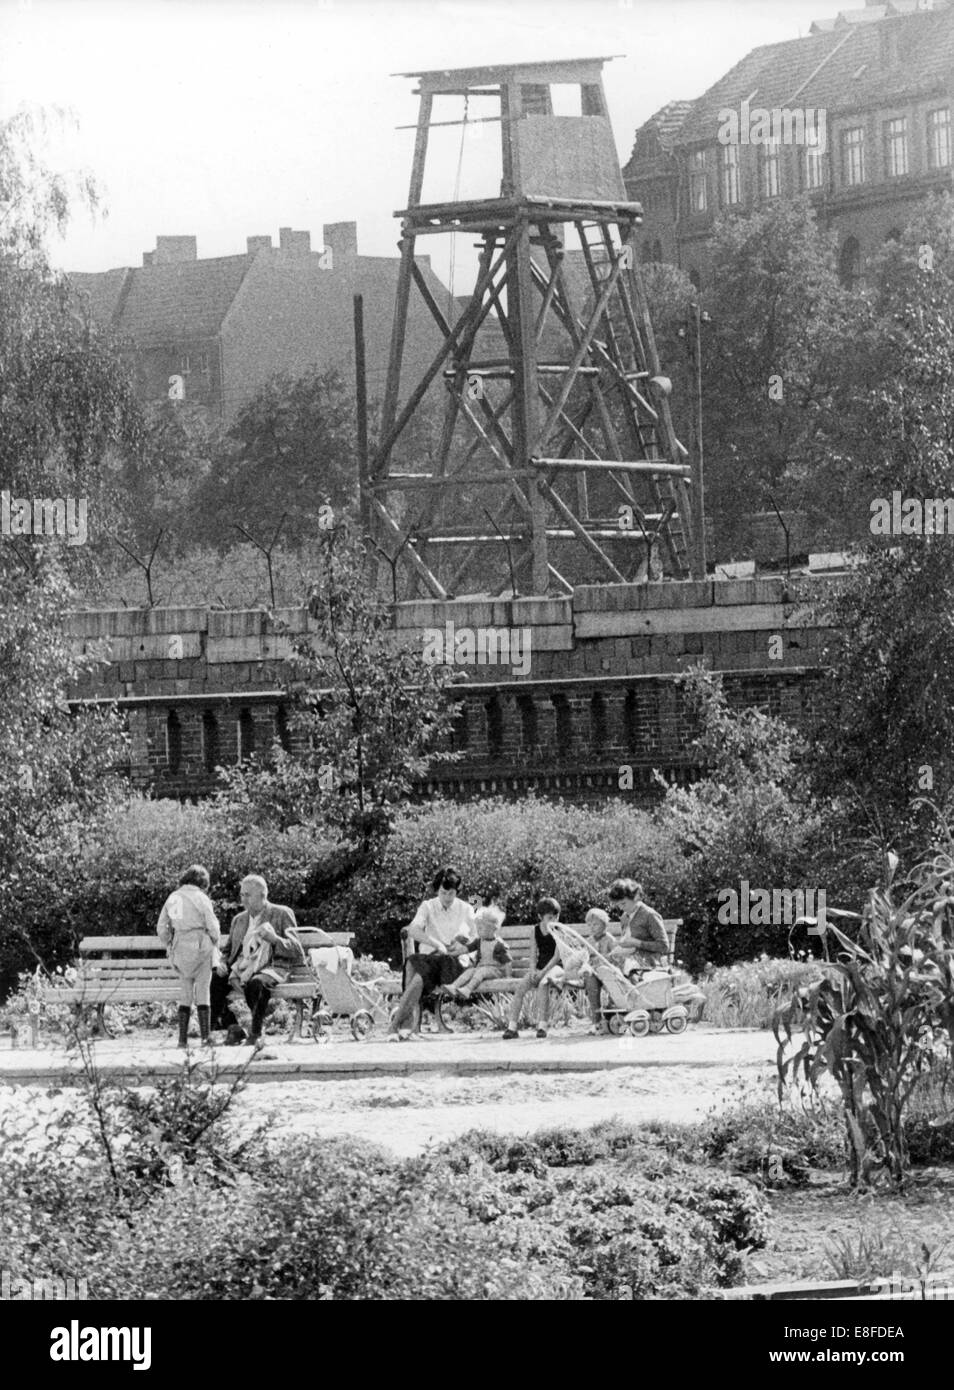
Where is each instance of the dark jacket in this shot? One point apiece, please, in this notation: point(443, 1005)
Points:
point(502, 956)
point(287, 952)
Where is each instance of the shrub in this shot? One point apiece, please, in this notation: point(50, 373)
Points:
point(747, 994)
point(132, 859)
point(572, 853)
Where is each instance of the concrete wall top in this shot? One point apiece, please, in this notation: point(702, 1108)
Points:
point(693, 600)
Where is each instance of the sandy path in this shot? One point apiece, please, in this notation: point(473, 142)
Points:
point(419, 1112)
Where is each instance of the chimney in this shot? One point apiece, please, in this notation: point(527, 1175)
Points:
point(257, 243)
point(341, 238)
point(174, 250)
point(294, 243)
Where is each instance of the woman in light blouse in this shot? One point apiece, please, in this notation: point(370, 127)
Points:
point(441, 929)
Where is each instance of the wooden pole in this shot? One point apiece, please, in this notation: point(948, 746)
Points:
point(361, 394)
point(698, 487)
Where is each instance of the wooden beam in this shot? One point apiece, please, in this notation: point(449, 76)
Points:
point(579, 529)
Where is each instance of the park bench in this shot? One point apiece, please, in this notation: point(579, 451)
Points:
point(518, 937)
point(136, 970)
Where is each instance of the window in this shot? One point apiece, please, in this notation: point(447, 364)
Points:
point(813, 163)
point(197, 362)
point(939, 138)
point(529, 736)
point(853, 156)
point(495, 729)
point(849, 263)
point(769, 167)
point(896, 147)
point(173, 742)
point(245, 735)
point(564, 725)
point(731, 182)
point(210, 741)
point(697, 181)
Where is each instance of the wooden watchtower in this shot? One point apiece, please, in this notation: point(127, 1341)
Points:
point(557, 439)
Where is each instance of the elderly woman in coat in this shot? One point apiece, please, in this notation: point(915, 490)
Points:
point(189, 930)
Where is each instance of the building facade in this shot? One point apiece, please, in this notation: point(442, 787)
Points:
point(856, 116)
point(216, 329)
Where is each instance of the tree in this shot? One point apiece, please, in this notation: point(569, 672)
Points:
point(64, 408)
point(291, 451)
point(774, 360)
point(751, 816)
point(369, 717)
point(889, 731)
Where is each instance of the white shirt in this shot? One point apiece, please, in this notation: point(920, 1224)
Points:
point(444, 923)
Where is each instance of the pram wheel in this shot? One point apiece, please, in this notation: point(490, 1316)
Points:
point(639, 1027)
point(361, 1024)
point(677, 1020)
point(614, 1022)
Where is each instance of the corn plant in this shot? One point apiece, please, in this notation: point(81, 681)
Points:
point(881, 1016)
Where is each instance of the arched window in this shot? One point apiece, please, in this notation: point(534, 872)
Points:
point(173, 741)
point(245, 735)
point(564, 725)
point(210, 741)
point(494, 712)
point(460, 728)
point(528, 721)
point(849, 263)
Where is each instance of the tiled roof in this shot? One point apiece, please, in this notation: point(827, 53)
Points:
point(179, 302)
point(837, 69)
point(103, 290)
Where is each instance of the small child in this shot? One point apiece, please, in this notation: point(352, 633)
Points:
point(493, 955)
point(598, 922)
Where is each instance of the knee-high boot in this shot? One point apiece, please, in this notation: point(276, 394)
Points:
point(185, 1014)
point(203, 1010)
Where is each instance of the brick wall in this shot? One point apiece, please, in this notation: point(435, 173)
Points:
point(598, 693)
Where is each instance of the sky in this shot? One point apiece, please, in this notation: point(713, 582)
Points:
point(229, 118)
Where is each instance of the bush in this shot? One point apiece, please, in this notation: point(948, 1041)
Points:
point(132, 860)
point(484, 1218)
point(534, 848)
point(747, 994)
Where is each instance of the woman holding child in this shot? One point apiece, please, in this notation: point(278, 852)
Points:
point(441, 931)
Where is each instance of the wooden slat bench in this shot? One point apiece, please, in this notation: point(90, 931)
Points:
point(136, 970)
point(518, 937)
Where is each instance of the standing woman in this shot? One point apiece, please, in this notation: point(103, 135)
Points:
point(440, 931)
point(189, 930)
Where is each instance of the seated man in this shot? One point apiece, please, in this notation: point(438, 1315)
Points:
point(643, 943)
point(262, 947)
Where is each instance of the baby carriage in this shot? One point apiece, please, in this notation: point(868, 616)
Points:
point(342, 997)
point(648, 1004)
